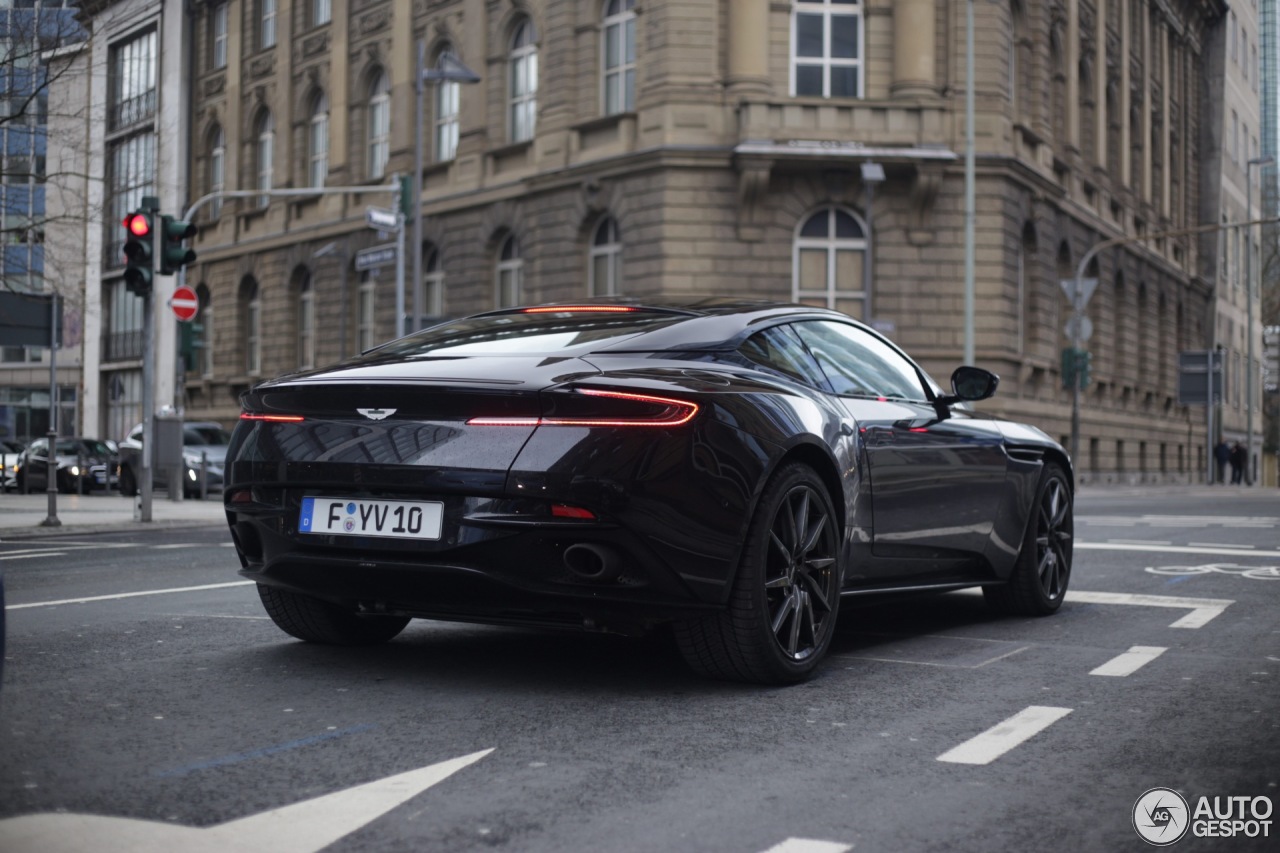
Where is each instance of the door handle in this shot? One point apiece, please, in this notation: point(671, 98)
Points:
point(846, 428)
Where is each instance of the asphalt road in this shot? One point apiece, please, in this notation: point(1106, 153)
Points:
point(170, 708)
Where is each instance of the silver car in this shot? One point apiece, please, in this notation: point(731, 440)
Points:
point(201, 440)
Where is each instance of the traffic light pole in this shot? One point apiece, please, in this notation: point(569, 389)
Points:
point(145, 493)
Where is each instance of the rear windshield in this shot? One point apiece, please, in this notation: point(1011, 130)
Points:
point(525, 333)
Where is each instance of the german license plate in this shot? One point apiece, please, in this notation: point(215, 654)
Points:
point(353, 517)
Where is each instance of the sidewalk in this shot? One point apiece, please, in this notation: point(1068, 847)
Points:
point(20, 515)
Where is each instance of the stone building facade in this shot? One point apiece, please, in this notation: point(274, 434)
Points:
point(718, 146)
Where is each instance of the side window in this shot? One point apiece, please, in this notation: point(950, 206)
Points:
point(858, 363)
point(780, 349)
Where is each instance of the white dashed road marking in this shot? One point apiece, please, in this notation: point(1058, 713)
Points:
point(127, 595)
point(996, 741)
point(809, 845)
point(1130, 662)
point(1173, 549)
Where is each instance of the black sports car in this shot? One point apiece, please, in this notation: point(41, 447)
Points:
point(730, 468)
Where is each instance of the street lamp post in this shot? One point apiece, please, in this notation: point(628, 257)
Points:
point(970, 205)
point(449, 69)
point(1251, 244)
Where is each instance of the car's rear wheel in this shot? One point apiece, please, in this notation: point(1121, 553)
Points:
point(128, 483)
point(1039, 580)
point(319, 621)
point(782, 610)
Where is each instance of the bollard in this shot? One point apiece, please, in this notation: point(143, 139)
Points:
point(204, 475)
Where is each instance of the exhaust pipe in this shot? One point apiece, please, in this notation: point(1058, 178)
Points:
point(595, 563)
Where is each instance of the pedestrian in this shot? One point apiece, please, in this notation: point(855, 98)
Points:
point(1222, 455)
point(1237, 463)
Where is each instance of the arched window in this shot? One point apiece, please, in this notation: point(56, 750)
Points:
point(828, 253)
point(447, 97)
point(251, 298)
point(379, 124)
point(510, 273)
point(605, 272)
point(217, 168)
point(266, 146)
point(306, 319)
point(826, 48)
point(618, 56)
point(522, 78)
point(318, 141)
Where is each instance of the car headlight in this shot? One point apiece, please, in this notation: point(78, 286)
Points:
point(75, 470)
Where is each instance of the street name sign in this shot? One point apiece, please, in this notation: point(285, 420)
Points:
point(381, 219)
point(377, 256)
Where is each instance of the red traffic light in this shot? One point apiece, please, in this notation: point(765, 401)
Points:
point(138, 224)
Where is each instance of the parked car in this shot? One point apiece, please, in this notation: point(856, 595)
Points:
point(82, 463)
point(10, 450)
point(733, 469)
point(198, 437)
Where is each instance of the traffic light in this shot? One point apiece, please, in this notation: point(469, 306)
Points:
point(190, 342)
point(139, 252)
point(1076, 364)
point(407, 196)
point(173, 255)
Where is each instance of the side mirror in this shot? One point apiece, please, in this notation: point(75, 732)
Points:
point(970, 384)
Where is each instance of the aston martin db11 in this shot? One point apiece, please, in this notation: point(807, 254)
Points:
point(731, 469)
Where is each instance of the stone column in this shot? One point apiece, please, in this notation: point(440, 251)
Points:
point(1126, 158)
point(914, 26)
point(1101, 132)
point(1166, 124)
point(748, 47)
point(1073, 74)
point(1148, 71)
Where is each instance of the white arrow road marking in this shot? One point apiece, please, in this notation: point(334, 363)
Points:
point(1202, 609)
point(1130, 662)
point(120, 595)
point(996, 741)
point(304, 827)
point(809, 845)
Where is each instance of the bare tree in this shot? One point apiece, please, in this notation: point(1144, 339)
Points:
point(34, 45)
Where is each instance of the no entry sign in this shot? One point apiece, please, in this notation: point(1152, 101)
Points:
point(184, 303)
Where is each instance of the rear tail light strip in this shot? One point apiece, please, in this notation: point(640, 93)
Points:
point(677, 413)
point(275, 419)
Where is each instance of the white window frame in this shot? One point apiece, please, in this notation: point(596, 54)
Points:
point(832, 245)
point(366, 304)
point(321, 12)
point(379, 115)
point(610, 251)
point(318, 142)
point(829, 9)
point(219, 25)
point(266, 24)
point(217, 169)
point(306, 324)
point(522, 83)
point(266, 146)
point(617, 81)
point(432, 286)
point(445, 135)
point(508, 282)
point(253, 331)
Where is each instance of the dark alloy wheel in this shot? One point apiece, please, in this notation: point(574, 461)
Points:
point(782, 610)
point(1039, 580)
point(319, 621)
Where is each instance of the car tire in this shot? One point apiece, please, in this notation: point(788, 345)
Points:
point(782, 609)
point(128, 483)
point(1038, 583)
point(319, 621)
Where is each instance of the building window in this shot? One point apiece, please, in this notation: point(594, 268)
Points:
point(217, 169)
point(131, 168)
point(510, 271)
point(306, 321)
point(321, 12)
point(523, 81)
point(123, 340)
point(133, 82)
point(204, 337)
point(379, 125)
point(604, 277)
point(218, 54)
point(266, 24)
point(252, 327)
point(618, 58)
point(364, 314)
point(266, 136)
point(318, 142)
point(826, 48)
point(829, 251)
point(432, 294)
point(446, 118)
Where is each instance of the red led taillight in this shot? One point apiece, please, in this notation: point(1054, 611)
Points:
point(274, 419)
point(566, 511)
point(673, 414)
point(591, 309)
